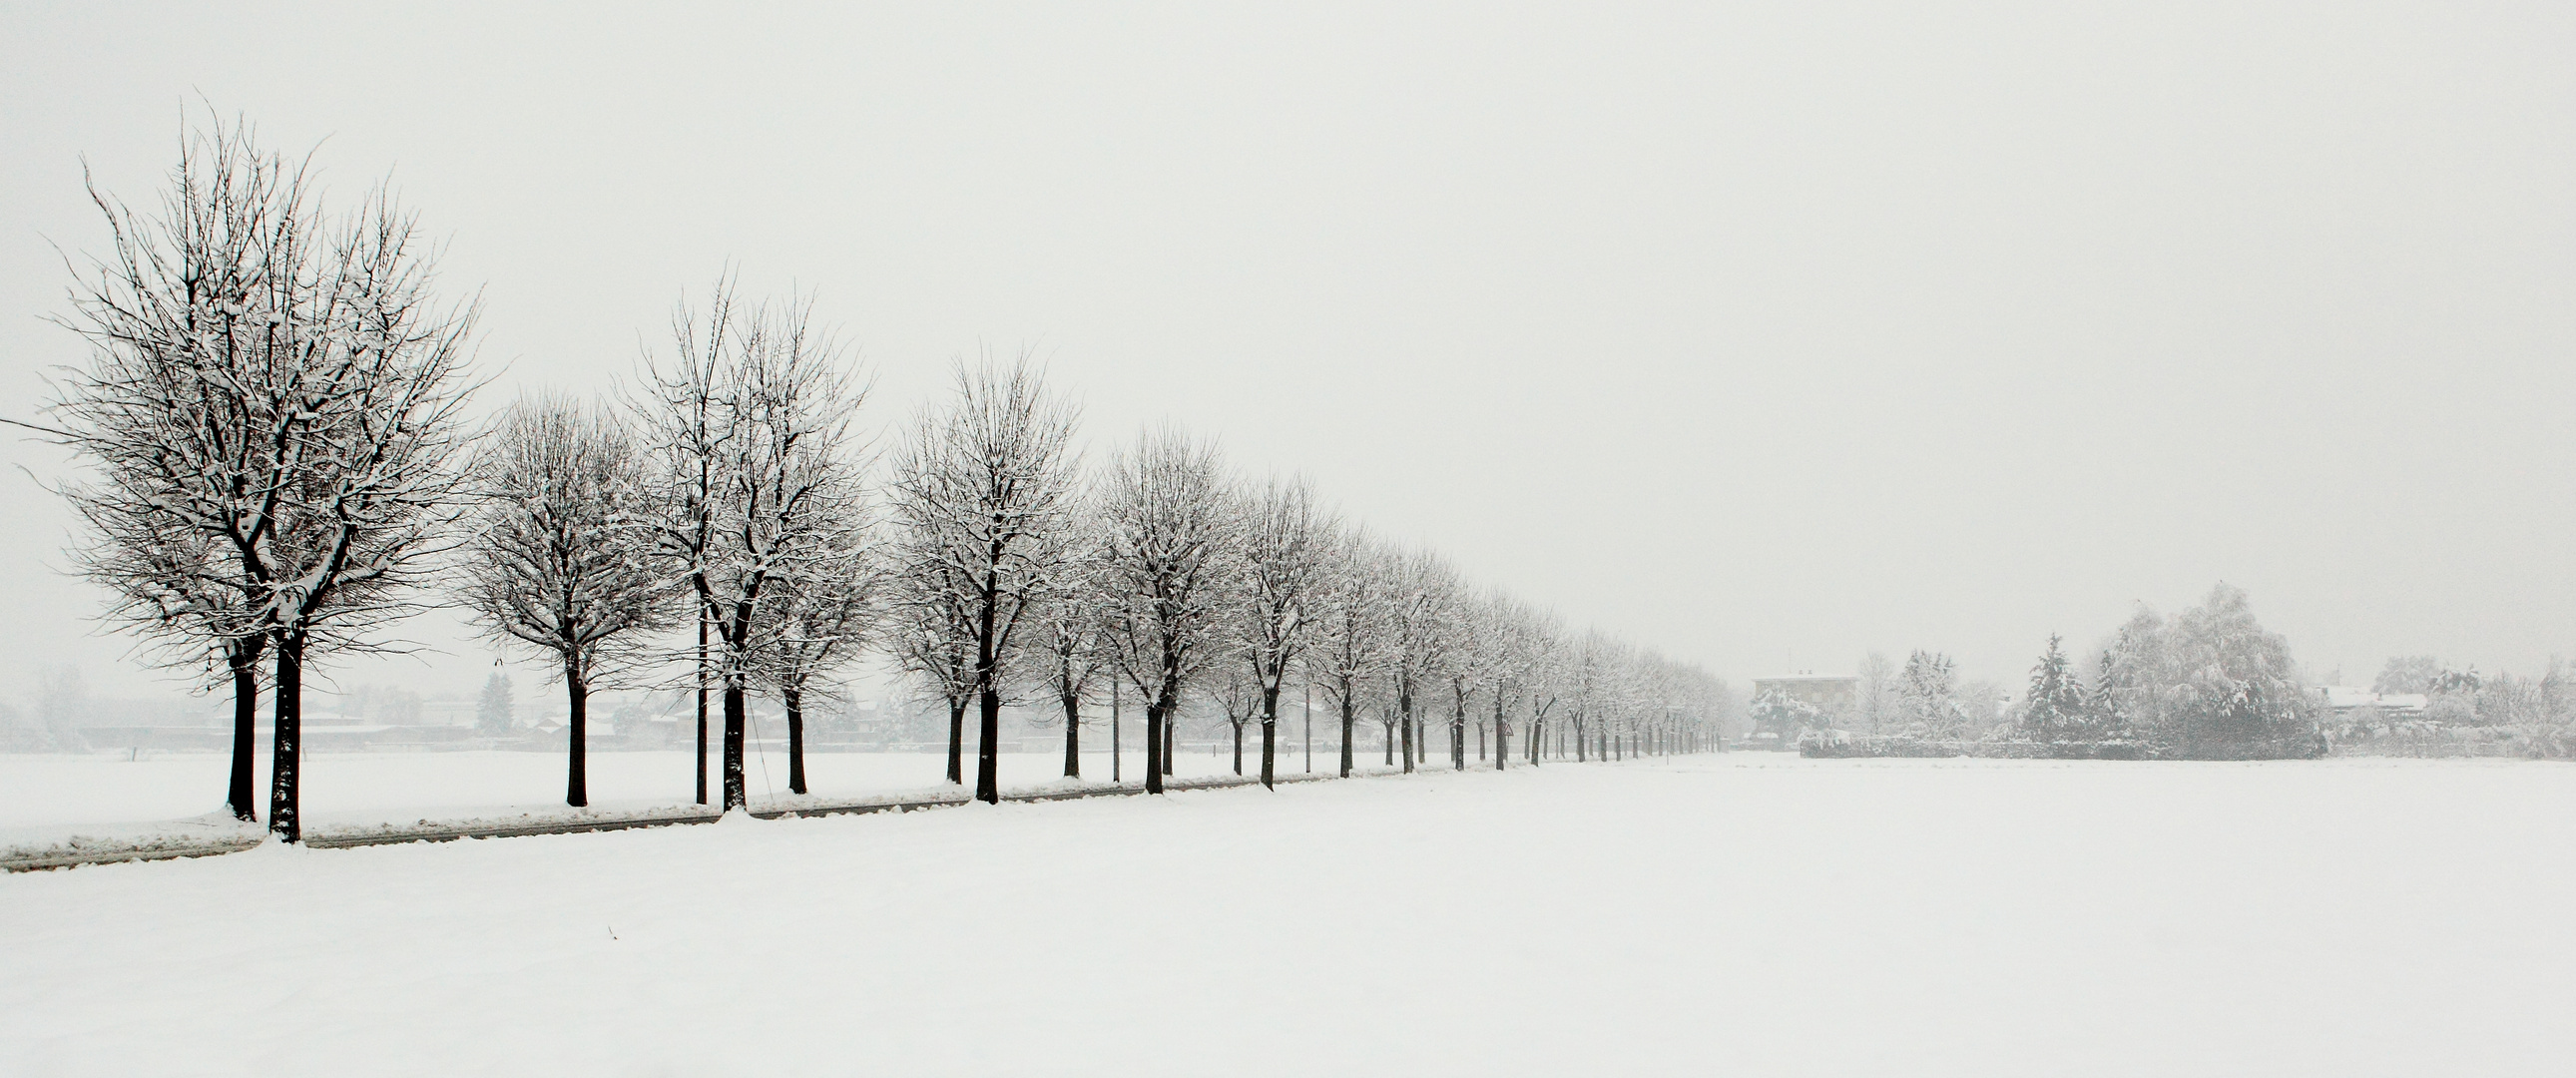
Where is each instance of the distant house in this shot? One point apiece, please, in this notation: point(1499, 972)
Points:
point(1786, 704)
point(1833, 694)
point(2346, 699)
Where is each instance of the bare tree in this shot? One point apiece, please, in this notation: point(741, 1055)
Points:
point(191, 468)
point(752, 422)
point(369, 504)
point(682, 406)
point(1283, 542)
point(1349, 657)
point(274, 406)
point(1068, 654)
point(1542, 671)
point(1482, 632)
point(1168, 550)
point(983, 494)
point(1587, 670)
point(1511, 657)
point(1880, 708)
point(561, 555)
point(1423, 633)
point(1237, 695)
point(931, 644)
point(824, 620)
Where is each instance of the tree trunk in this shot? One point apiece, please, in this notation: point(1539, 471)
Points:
point(1582, 752)
point(737, 712)
point(243, 794)
point(1153, 747)
point(1502, 743)
point(988, 745)
point(284, 787)
point(957, 740)
point(1347, 719)
point(1269, 734)
point(1072, 737)
point(1409, 726)
point(1171, 731)
point(1238, 748)
point(702, 707)
point(576, 770)
point(1114, 762)
point(794, 701)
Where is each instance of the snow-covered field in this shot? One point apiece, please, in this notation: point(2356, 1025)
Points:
point(1753, 915)
point(43, 796)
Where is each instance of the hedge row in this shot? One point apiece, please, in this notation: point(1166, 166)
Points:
point(1871, 746)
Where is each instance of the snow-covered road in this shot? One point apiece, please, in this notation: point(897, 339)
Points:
point(1715, 915)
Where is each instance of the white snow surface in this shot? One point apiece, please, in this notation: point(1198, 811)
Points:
point(50, 799)
point(1749, 914)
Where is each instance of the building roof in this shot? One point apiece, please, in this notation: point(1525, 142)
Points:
point(2344, 697)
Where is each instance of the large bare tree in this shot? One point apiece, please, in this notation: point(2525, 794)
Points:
point(1168, 552)
point(983, 497)
point(561, 555)
point(373, 492)
point(187, 469)
point(751, 419)
point(272, 411)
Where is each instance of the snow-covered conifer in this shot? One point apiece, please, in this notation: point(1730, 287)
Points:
point(2055, 705)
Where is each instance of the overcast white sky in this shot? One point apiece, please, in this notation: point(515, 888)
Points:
point(1767, 334)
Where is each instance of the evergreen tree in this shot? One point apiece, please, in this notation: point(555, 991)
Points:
point(492, 709)
point(2056, 704)
point(2102, 705)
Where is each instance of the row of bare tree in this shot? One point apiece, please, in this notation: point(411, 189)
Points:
point(280, 471)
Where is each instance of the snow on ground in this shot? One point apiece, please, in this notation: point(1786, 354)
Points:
point(1750, 914)
point(47, 798)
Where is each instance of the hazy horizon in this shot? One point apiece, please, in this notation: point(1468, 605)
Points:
point(1766, 338)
